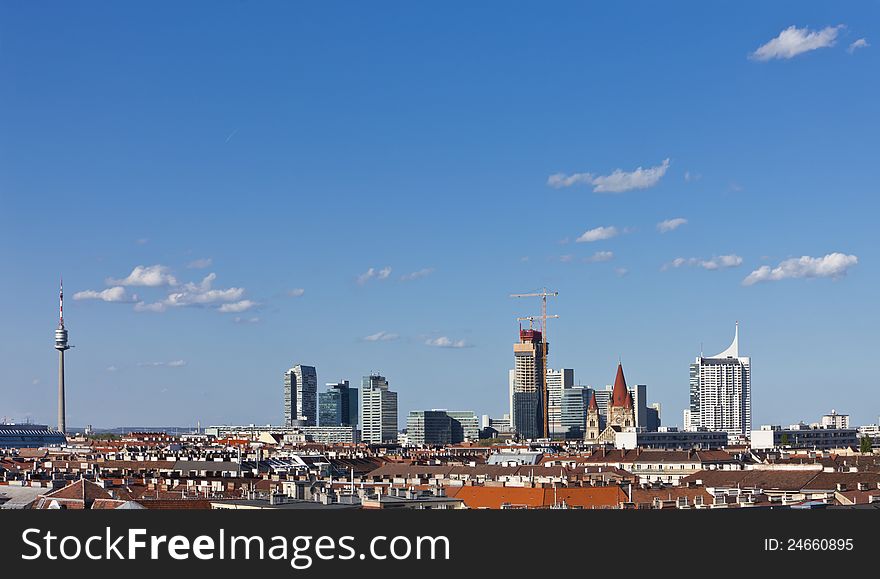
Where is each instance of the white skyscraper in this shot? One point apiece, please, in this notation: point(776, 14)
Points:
point(301, 396)
point(378, 411)
point(557, 382)
point(721, 392)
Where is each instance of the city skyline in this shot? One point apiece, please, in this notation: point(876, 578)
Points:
point(275, 193)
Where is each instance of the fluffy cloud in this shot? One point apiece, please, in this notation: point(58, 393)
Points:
point(445, 342)
point(617, 182)
point(113, 294)
point(598, 233)
point(374, 273)
point(671, 224)
point(860, 43)
point(599, 256)
point(201, 294)
point(793, 41)
point(150, 276)
point(296, 292)
point(237, 307)
point(424, 272)
point(382, 336)
point(620, 271)
point(833, 265)
point(240, 320)
point(200, 263)
point(716, 262)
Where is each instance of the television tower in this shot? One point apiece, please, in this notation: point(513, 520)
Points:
point(61, 345)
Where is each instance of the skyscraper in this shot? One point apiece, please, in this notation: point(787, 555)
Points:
point(558, 381)
point(721, 391)
point(61, 345)
point(573, 411)
point(338, 406)
point(528, 385)
point(301, 396)
point(378, 411)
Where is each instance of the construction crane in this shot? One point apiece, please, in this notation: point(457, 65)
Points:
point(543, 294)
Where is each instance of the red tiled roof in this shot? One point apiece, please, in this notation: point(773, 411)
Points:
point(81, 490)
point(479, 497)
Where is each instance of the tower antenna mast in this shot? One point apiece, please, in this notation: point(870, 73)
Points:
point(61, 345)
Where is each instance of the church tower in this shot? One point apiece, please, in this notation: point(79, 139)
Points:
point(593, 420)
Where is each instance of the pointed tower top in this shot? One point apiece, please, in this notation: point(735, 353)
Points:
point(732, 350)
point(629, 400)
point(619, 393)
point(593, 404)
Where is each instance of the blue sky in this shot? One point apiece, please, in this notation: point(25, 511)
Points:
point(294, 178)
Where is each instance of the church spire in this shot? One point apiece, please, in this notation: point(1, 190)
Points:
point(620, 392)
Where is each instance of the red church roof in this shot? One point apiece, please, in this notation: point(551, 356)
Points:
point(620, 392)
point(593, 404)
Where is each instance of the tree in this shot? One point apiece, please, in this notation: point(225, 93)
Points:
point(784, 440)
point(865, 446)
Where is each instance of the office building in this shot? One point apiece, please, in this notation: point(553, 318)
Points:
point(378, 411)
point(652, 424)
point(439, 427)
point(301, 396)
point(721, 392)
point(338, 406)
point(573, 412)
point(29, 436)
point(834, 420)
point(429, 427)
point(800, 436)
point(528, 386)
point(669, 439)
point(331, 434)
point(558, 381)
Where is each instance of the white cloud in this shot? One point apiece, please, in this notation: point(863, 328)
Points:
point(200, 263)
point(566, 258)
point(620, 271)
point(617, 182)
point(860, 43)
point(112, 368)
point(382, 336)
point(374, 273)
point(598, 233)
point(688, 176)
point(716, 262)
point(171, 364)
point(424, 272)
point(445, 342)
point(240, 320)
point(201, 294)
point(150, 276)
point(833, 265)
point(599, 256)
point(35, 381)
point(671, 224)
point(238, 307)
point(113, 294)
point(793, 41)
point(296, 292)
point(142, 241)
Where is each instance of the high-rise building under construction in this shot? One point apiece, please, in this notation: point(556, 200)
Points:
point(528, 384)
